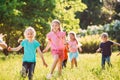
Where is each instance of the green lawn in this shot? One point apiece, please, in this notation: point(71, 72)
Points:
point(88, 68)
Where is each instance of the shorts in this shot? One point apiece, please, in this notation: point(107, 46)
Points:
point(59, 53)
point(73, 55)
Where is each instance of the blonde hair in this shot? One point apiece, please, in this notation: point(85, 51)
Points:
point(104, 35)
point(73, 33)
point(58, 22)
point(30, 29)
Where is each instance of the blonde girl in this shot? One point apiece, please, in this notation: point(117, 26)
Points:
point(56, 40)
point(73, 46)
point(30, 46)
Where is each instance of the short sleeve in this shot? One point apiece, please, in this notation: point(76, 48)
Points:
point(22, 43)
point(1, 40)
point(111, 43)
point(100, 46)
point(63, 34)
point(37, 44)
point(48, 36)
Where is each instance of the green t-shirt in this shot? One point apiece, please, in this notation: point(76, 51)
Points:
point(29, 50)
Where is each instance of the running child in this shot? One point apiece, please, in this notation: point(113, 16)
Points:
point(65, 56)
point(73, 46)
point(105, 48)
point(30, 46)
point(56, 40)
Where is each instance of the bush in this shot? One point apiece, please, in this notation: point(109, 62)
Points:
point(92, 30)
point(90, 43)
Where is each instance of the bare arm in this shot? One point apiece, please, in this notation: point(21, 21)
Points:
point(47, 47)
point(15, 49)
point(3, 45)
point(41, 55)
point(80, 49)
point(115, 43)
point(98, 50)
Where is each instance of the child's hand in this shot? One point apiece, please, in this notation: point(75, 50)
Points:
point(9, 48)
point(44, 51)
point(97, 51)
point(81, 50)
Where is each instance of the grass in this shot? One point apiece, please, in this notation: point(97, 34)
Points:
point(89, 68)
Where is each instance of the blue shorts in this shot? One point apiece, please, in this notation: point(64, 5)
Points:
point(73, 55)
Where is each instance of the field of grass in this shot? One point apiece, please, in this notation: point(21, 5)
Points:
point(88, 68)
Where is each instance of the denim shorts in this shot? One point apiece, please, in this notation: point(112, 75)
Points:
point(73, 55)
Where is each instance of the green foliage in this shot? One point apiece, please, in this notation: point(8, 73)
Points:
point(90, 43)
point(91, 15)
point(65, 11)
point(113, 29)
point(92, 30)
point(16, 15)
point(98, 12)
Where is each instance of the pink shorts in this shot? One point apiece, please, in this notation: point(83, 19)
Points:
point(58, 52)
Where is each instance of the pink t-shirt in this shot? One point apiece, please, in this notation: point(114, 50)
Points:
point(73, 46)
point(57, 40)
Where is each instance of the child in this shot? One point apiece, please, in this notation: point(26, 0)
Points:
point(3, 45)
point(29, 58)
point(65, 56)
point(105, 47)
point(56, 40)
point(73, 46)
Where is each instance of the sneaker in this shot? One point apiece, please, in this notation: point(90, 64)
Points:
point(23, 72)
point(49, 76)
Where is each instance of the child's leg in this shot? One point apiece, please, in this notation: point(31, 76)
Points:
point(103, 62)
point(60, 66)
point(75, 56)
point(108, 61)
point(24, 69)
point(31, 70)
point(75, 62)
point(72, 63)
point(56, 58)
point(64, 63)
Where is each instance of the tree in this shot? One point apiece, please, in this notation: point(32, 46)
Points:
point(16, 15)
point(91, 15)
point(98, 12)
point(65, 11)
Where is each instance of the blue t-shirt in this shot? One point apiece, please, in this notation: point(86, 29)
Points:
point(106, 48)
point(29, 50)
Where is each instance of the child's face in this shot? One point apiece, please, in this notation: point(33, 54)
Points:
point(104, 39)
point(72, 37)
point(29, 34)
point(55, 26)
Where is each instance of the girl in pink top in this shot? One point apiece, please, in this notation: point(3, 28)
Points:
point(73, 46)
point(56, 40)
